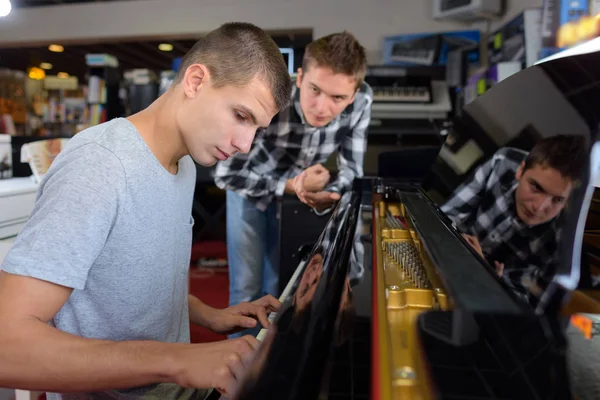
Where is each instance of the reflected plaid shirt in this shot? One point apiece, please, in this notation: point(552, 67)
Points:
point(289, 145)
point(485, 207)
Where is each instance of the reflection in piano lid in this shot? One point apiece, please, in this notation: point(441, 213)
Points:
point(474, 272)
point(521, 153)
point(316, 315)
point(498, 224)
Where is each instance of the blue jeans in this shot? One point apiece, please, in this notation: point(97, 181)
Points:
point(252, 251)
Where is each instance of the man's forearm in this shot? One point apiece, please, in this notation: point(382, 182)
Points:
point(200, 313)
point(36, 356)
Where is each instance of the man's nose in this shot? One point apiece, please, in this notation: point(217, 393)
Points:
point(542, 203)
point(243, 142)
point(321, 104)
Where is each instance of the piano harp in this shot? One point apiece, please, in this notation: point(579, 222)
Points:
point(429, 315)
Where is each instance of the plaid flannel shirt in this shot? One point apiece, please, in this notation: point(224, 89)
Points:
point(485, 208)
point(289, 145)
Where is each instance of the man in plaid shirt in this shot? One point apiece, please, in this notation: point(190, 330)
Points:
point(330, 111)
point(508, 212)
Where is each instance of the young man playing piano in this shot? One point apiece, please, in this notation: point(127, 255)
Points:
point(508, 211)
point(330, 111)
point(93, 295)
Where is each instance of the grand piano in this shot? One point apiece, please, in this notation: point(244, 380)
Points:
point(394, 301)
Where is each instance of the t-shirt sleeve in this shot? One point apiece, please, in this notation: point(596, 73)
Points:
point(77, 205)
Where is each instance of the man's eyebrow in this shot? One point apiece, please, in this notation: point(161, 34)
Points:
point(344, 96)
point(251, 114)
point(543, 189)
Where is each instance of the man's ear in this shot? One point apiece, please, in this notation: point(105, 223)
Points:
point(299, 77)
point(519, 172)
point(195, 77)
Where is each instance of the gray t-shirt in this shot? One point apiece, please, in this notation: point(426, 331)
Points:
point(113, 224)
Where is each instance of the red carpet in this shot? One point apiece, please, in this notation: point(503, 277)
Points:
point(211, 285)
point(209, 249)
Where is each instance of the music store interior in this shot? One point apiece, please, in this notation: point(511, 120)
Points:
point(464, 263)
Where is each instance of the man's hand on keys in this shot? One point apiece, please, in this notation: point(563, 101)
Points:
point(220, 365)
point(244, 315)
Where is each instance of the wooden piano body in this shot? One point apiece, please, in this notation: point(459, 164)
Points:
point(430, 318)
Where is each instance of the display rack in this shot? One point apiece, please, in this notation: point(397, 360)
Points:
point(103, 88)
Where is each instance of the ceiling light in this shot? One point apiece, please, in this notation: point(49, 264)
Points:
point(36, 73)
point(165, 47)
point(5, 8)
point(45, 65)
point(57, 48)
point(62, 75)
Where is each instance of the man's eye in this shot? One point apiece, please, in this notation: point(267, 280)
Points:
point(240, 117)
point(314, 89)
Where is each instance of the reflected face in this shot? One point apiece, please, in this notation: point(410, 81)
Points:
point(308, 283)
point(542, 193)
point(324, 94)
point(217, 123)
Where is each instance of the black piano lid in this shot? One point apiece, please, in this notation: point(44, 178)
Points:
point(558, 97)
point(295, 354)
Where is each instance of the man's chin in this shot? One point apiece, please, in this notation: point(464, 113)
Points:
point(206, 161)
point(210, 163)
point(317, 123)
point(531, 221)
point(524, 219)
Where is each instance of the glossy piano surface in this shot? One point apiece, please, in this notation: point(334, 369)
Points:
point(294, 359)
point(514, 172)
point(498, 222)
point(449, 329)
point(455, 312)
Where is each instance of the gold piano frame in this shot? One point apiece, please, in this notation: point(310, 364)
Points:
point(403, 287)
